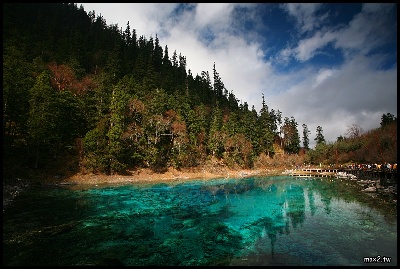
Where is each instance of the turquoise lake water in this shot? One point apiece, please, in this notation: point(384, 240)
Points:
point(276, 220)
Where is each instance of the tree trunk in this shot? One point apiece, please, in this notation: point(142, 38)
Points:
point(37, 157)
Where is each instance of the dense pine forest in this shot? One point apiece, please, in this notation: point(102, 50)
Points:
point(102, 98)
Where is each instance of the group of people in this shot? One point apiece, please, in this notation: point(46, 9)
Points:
point(380, 167)
point(387, 167)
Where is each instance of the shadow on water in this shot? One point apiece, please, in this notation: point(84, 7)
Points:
point(253, 221)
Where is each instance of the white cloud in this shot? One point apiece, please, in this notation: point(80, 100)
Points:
point(323, 75)
point(213, 14)
point(304, 13)
point(307, 48)
point(360, 35)
point(334, 99)
point(367, 30)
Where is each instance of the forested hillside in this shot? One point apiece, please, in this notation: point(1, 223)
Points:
point(72, 82)
point(103, 98)
point(373, 146)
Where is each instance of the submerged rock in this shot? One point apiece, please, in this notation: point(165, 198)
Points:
point(12, 189)
point(370, 189)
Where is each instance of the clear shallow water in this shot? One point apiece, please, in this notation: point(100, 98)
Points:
point(255, 221)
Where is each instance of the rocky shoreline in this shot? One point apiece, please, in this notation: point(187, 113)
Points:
point(372, 186)
point(369, 185)
point(12, 190)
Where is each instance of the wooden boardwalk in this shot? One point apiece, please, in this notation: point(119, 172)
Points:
point(312, 172)
point(389, 176)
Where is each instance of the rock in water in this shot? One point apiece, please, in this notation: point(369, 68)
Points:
point(370, 189)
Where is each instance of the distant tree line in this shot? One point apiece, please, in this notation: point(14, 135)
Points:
point(378, 145)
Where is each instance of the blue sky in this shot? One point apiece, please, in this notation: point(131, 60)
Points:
point(328, 65)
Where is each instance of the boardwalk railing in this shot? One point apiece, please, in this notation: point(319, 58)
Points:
point(386, 175)
point(311, 172)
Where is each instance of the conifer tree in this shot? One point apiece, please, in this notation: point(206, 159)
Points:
point(55, 118)
point(150, 78)
point(219, 87)
point(141, 66)
point(197, 129)
point(291, 135)
point(387, 119)
point(266, 135)
point(232, 101)
point(118, 106)
point(40, 123)
point(17, 82)
point(215, 141)
point(278, 120)
point(127, 35)
point(175, 59)
point(158, 56)
point(320, 139)
point(208, 96)
point(166, 62)
point(306, 133)
point(129, 48)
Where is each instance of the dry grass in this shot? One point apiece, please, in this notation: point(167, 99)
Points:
point(279, 161)
point(211, 169)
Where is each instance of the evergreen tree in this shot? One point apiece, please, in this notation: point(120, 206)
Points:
point(167, 73)
point(114, 66)
point(274, 122)
point(291, 135)
point(219, 87)
point(157, 130)
point(198, 130)
point(181, 149)
point(40, 121)
point(340, 138)
point(129, 48)
point(306, 134)
point(216, 137)
point(158, 56)
point(166, 62)
point(150, 78)
point(17, 82)
point(278, 120)
point(207, 94)
point(387, 119)
point(141, 66)
point(118, 107)
point(175, 59)
point(266, 133)
point(320, 139)
point(55, 118)
point(133, 138)
point(247, 137)
point(127, 35)
point(232, 101)
point(95, 144)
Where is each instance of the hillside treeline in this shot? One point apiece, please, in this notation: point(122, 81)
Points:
point(116, 100)
point(374, 146)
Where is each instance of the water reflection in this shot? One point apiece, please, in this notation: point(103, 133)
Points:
point(253, 221)
point(295, 205)
point(310, 195)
